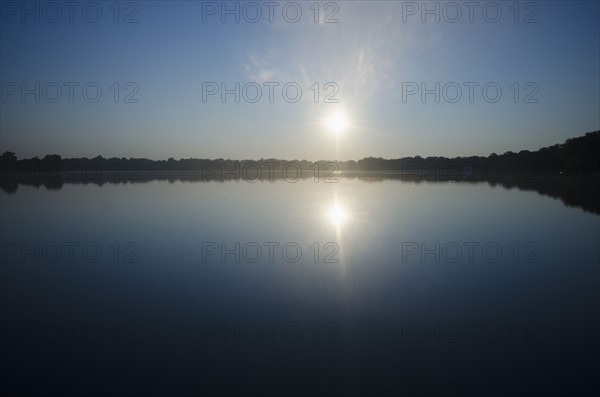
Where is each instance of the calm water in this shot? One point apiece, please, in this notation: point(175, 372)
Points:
point(367, 285)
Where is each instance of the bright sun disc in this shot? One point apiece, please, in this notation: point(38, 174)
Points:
point(337, 123)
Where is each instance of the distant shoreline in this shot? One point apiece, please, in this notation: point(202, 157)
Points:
point(579, 155)
point(92, 173)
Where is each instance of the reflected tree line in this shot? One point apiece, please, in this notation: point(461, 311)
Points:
point(568, 171)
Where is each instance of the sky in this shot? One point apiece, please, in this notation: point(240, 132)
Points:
point(146, 78)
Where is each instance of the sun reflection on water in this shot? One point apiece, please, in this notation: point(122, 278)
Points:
point(337, 214)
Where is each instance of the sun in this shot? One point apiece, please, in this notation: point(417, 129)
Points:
point(337, 123)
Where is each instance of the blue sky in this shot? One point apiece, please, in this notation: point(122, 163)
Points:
point(373, 55)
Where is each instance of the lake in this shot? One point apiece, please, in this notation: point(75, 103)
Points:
point(371, 284)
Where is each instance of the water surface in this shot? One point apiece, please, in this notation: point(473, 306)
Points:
point(368, 285)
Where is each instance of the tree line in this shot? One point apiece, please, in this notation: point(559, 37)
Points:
point(580, 155)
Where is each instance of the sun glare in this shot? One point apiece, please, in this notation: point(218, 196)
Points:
point(337, 123)
point(337, 214)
